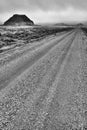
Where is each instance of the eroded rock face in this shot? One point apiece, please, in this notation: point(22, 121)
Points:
point(18, 20)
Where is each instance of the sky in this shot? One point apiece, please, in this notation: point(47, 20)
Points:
point(45, 11)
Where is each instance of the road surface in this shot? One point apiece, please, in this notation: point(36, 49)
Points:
point(45, 87)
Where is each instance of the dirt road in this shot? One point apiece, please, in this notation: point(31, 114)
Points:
point(45, 88)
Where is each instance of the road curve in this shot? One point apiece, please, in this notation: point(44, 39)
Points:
point(46, 89)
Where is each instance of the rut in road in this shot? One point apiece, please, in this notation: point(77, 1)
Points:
point(35, 99)
point(15, 68)
point(66, 110)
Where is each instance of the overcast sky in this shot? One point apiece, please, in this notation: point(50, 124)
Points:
point(41, 11)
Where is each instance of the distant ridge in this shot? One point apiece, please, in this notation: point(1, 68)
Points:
point(18, 20)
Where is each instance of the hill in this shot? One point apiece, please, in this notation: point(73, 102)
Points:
point(18, 20)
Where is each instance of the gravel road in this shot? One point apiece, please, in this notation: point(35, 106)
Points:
point(45, 87)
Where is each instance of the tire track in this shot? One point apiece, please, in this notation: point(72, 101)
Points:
point(65, 111)
point(37, 91)
point(54, 72)
point(11, 71)
point(53, 83)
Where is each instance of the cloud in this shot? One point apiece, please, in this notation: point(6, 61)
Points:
point(9, 5)
point(45, 10)
point(68, 14)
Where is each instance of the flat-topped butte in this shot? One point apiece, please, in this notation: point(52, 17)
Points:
point(18, 20)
